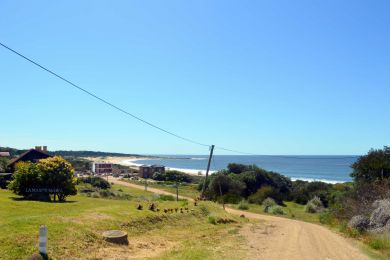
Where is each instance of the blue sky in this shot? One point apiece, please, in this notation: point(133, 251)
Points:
point(265, 77)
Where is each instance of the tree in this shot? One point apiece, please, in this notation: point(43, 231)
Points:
point(372, 167)
point(25, 178)
point(53, 176)
point(58, 176)
point(3, 164)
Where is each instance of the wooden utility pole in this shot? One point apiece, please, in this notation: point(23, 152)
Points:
point(208, 169)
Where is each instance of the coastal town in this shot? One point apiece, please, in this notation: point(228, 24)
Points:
point(192, 130)
point(166, 194)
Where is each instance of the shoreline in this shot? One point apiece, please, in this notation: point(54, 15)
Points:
point(196, 172)
point(130, 161)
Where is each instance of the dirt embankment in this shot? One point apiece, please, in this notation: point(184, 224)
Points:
point(281, 238)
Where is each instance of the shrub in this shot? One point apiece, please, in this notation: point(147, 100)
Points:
point(276, 210)
point(260, 195)
point(314, 205)
point(212, 220)
point(243, 205)
point(52, 176)
point(326, 217)
point(204, 211)
point(268, 203)
point(231, 198)
point(95, 181)
point(377, 244)
point(163, 197)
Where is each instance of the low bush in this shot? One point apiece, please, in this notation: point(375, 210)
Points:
point(163, 197)
point(276, 210)
point(212, 220)
point(263, 193)
point(327, 218)
point(377, 244)
point(314, 205)
point(95, 181)
point(243, 205)
point(268, 203)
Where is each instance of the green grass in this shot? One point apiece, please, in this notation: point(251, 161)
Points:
point(291, 210)
point(75, 227)
point(186, 190)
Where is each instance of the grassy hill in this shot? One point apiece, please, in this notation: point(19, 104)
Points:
point(75, 228)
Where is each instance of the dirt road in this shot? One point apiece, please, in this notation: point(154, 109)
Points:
point(281, 238)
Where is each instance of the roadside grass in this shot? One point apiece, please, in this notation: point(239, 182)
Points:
point(185, 189)
point(291, 210)
point(75, 227)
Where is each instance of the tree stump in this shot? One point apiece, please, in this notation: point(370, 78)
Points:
point(116, 236)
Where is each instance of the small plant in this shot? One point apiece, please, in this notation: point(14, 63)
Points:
point(268, 203)
point(326, 218)
point(243, 205)
point(152, 207)
point(204, 211)
point(212, 220)
point(163, 197)
point(276, 210)
point(314, 205)
point(139, 207)
point(377, 244)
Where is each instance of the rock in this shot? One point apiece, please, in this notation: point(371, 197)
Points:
point(116, 236)
point(35, 257)
point(359, 222)
point(381, 214)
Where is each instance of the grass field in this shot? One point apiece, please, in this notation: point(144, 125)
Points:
point(75, 228)
point(186, 190)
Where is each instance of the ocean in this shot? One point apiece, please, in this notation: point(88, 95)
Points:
point(331, 169)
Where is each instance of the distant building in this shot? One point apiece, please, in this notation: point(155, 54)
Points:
point(146, 171)
point(5, 154)
point(32, 155)
point(101, 168)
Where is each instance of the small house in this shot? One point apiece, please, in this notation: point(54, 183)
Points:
point(32, 155)
point(5, 154)
point(146, 171)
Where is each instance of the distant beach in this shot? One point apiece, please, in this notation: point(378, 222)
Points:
point(330, 169)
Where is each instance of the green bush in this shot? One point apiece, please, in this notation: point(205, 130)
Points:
point(163, 197)
point(95, 181)
point(314, 205)
point(268, 203)
point(231, 198)
point(53, 176)
point(204, 211)
point(276, 210)
point(377, 244)
point(212, 220)
point(326, 217)
point(243, 205)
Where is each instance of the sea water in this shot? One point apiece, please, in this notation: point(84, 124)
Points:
point(330, 169)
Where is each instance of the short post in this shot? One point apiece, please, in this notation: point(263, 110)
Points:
point(177, 191)
point(43, 240)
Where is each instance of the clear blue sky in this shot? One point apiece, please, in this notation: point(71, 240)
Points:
point(266, 77)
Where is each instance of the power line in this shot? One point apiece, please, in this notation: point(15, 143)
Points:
point(139, 118)
point(103, 100)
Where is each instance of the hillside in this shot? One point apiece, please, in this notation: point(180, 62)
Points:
point(16, 152)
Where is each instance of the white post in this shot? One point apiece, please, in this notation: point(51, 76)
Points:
point(43, 239)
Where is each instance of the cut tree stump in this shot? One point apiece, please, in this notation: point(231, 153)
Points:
point(116, 236)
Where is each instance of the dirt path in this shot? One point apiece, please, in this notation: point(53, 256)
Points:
point(282, 238)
